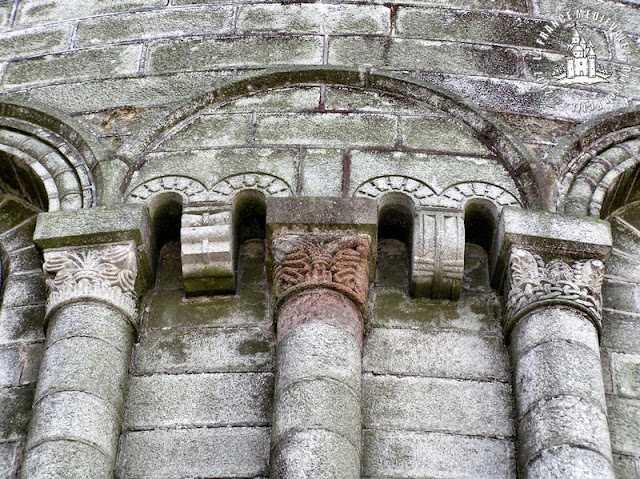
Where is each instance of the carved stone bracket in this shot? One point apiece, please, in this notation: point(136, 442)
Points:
point(324, 260)
point(207, 250)
point(437, 260)
point(105, 273)
point(533, 283)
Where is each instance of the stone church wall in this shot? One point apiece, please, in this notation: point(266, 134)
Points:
point(183, 111)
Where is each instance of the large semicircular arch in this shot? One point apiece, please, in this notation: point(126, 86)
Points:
point(513, 155)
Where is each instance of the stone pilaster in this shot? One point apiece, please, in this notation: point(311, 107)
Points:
point(92, 319)
point(552, 318)
point(320, 289)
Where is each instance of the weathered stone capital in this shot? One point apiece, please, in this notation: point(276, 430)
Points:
point(322, 260)
point(105, 273)
point(534, 283)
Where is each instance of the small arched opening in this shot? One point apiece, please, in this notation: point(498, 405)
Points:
point(395, 238)
point(249, 233)
point(166, 214)
point(480, 220)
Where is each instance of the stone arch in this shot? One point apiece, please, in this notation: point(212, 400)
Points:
point(598, 165)
point(455, 196)
point(46, 158)
point(496, 137)
point(458, 195)
point(222, 192)
point(376, 188)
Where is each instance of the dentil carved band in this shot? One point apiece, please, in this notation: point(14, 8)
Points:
point(534, 283)
point(103, 273)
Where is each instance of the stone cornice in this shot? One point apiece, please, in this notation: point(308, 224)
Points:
point(533, 283)
point(104, 273)
point(322, 260)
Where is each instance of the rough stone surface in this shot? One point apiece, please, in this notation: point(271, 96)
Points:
point(451, 104)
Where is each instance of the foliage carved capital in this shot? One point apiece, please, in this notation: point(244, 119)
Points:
point(533, 283)
point(102, 273)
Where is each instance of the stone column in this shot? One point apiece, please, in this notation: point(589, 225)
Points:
point(91, 320)
point(552, 321)
point(320, 284)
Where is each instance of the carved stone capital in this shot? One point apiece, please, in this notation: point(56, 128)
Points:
point(105, 273)
point(323, 260)
point(534, 283)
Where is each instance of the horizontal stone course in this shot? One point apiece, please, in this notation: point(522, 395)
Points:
point(562, 421)
point(325, 454)
point(440, 134)
point(24, 323)
point(252, 51)
point(319, 350)
point(204, 350)
point(219, 311)
point(317, 404)
point(35, 41)
point(571, 463)
point(133, 92)
point(15, 404)
point(211, 131)
point(58, 458)
point(440, 405)
point(467, 26)
point(624, 424)
point(75, 416)
point(79, 65)
point(199, 452)
point(198, 400)
point(92, 361)
point(314, 18)
point(23, 290)
point(423, 55)
point(559, 368)
point(47, 11)
point(146, 25)
point(450, 354)
point(326, 129)
point(620, 331)
point(626, 374)
point(435, 455)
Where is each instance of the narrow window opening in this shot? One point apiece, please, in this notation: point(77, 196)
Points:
point(166, 214)
point(395, 237)
point(480, 220)
point(250, 231)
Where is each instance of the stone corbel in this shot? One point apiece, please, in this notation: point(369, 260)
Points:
point(437, 258)
point(206, 236)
